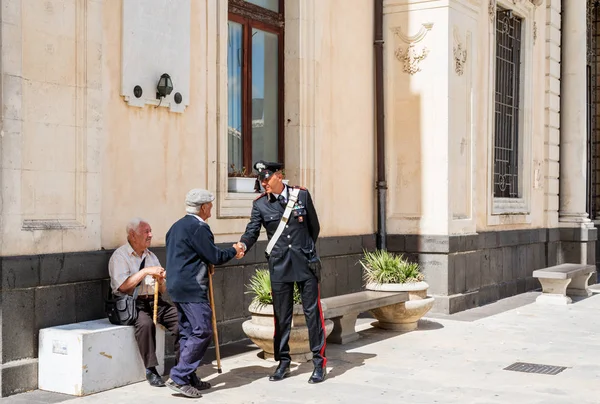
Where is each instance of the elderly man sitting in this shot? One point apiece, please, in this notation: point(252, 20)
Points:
point(133, 265)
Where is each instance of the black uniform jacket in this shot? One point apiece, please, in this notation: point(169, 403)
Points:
point(289, 257)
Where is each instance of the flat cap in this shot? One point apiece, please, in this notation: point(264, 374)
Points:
point(198, 196)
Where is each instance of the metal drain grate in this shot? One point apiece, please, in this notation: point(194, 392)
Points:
point(535, 368)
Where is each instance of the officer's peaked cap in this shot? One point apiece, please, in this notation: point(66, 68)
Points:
point(266, 169)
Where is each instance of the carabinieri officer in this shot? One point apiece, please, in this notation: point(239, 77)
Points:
point(290, 252)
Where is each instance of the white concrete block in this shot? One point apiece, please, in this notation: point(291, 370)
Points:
point(92, 356)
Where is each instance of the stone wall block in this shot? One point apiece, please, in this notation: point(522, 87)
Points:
point(20, 272)
point(18, 325)
point(474, 270)
point(89, 298)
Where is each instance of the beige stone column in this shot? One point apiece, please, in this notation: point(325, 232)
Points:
point(573, 127)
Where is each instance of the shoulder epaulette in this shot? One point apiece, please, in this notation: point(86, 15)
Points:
point(260, 196)
point(299, 187)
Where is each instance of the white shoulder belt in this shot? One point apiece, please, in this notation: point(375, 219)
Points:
point(293, 197)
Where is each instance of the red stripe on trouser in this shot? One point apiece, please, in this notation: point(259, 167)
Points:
point(322, 351)
point(274, 318)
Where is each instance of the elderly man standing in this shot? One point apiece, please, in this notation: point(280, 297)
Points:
point(191, 250)
point(133, 265)
point(290, 219)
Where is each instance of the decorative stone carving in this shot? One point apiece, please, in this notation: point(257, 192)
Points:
point(493, 3)
point(492, 10)
point(591, 11)
point(411, 57)
point(460, 54)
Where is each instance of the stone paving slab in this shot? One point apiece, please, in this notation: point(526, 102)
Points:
point(445, 361)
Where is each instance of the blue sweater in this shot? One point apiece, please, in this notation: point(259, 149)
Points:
point(190, 249)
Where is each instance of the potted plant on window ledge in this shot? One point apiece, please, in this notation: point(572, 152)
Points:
point(388, 272)
point(240, 181)
point(260, 328)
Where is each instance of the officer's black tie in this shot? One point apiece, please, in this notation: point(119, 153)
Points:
point(282, 200)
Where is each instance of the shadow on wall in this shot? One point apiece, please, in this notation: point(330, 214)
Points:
point(405, 63)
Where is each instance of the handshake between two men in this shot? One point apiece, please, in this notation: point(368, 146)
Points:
point(288, 267)
point(240, 249)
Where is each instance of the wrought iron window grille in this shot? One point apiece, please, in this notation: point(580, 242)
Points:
point(507, 104)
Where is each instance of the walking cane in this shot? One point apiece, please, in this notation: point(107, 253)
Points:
point(211, 271)
point(155, 301)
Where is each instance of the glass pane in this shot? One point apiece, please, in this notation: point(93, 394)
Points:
point(272, 5)
point(265, 96)
point(234, 95)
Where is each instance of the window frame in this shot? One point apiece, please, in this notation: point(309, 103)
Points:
point(251, 16)
point(513, 210)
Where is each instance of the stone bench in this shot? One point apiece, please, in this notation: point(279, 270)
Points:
point(343, 310)
point(92, 356)
point(562, 280)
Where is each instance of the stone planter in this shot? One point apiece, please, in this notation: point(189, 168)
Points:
point(244, 184)
point(402, 316)
point(241, 184)
point(260, 330)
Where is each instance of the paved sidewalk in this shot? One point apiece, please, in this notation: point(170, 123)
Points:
point(450, 359)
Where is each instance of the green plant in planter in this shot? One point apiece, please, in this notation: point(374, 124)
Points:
point(234, 172)
point(260, 287)
point(384, 267)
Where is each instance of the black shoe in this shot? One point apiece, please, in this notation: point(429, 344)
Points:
point(186, 389)
point(154, 380)
point(318, 375)
point(197, 383)
point(283, 371)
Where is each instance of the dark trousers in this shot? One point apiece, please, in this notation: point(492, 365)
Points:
point(195, 329)
point(145, 330)
point(283, 304)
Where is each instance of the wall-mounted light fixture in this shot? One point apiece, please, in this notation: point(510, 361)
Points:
point(164, 86)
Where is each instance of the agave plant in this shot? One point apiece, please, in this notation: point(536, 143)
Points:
point(260, 287)
point(381, 266)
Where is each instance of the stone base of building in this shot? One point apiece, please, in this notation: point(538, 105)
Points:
point(469, 271)
point(42, 291)
point(19, 376)
point(463, 272)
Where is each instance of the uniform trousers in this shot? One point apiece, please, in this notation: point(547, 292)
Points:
point(145, 330)
point(283, 304)
point(195, 328)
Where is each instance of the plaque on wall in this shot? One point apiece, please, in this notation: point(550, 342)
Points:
point(155, 41)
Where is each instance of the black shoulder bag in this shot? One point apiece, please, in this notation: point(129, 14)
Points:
point(121, 310)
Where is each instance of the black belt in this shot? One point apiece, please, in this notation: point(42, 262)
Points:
point(146, 297)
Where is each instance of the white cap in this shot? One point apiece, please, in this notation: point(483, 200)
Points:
point(198, 196)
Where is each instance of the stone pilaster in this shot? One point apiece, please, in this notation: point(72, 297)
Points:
point(573, 129)
point(575, 244)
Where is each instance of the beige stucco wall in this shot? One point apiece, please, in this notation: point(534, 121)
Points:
point(345, 181)
point(151, 156)
point(52, 126)
point(78, 161)
point(439, 119)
